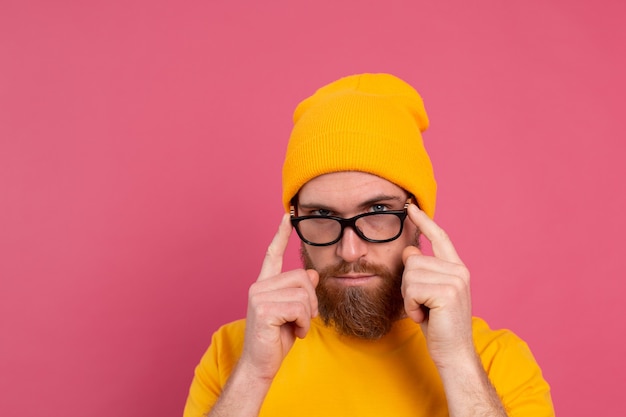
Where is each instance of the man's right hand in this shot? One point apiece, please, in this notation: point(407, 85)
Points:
point(280, 308)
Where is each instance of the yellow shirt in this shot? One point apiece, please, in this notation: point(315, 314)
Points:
point(329, 375)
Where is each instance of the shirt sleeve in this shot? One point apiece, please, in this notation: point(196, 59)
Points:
point(214, 368)
point(516, 375)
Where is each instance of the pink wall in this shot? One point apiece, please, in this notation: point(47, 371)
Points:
point(140, 152)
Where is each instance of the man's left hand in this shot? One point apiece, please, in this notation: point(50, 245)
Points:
point(436, 291)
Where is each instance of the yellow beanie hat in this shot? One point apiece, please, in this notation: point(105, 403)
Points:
point(367, 122)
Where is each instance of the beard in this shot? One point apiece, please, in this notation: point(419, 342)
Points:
point(367, 313)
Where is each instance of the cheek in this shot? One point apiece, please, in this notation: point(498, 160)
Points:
point(394, 255)
point(317, 256)
point(390, 254)
point(410, 235)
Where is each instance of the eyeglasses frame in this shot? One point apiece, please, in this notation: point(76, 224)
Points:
point(351, 223)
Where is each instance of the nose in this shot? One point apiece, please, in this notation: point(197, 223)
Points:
point(351, 247)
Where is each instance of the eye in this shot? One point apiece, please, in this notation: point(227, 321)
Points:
point(321, 212)
point(377, 208)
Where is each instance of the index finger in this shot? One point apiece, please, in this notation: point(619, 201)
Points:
point(273, 262)
point(441, 243)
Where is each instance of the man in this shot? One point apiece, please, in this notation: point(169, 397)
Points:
point(371, 327)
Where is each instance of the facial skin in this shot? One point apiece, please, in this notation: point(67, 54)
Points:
point(359, 291)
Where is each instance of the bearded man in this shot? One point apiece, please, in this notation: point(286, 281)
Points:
point(371, 326)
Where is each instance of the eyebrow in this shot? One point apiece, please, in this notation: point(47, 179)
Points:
point(364, 204)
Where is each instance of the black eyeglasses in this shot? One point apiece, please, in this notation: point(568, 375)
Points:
point(375, 227)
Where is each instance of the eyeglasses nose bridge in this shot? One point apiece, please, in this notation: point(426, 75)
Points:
point(351, 224)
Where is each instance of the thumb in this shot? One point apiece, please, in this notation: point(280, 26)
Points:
point(313, 276)
point(410, 251)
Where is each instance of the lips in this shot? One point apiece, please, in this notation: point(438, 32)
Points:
point(354, 276)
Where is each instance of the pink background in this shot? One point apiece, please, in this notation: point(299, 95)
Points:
point(141, 144)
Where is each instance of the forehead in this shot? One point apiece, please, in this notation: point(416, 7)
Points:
point(347, 189)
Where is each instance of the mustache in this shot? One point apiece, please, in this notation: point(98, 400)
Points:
point(362, 267)
point(343, 267)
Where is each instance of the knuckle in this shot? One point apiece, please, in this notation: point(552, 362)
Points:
point(461, 272)
point(294, 309)
point(251, 292)
point(300, 308)
point(464, 274)
point(451, 291)
point(302, 295)
point(270, 253)
point(456, 287)
point(261, 309)
point(255, 304)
